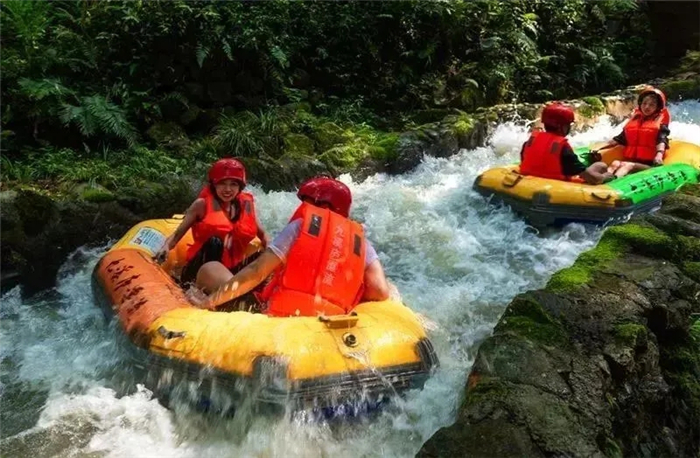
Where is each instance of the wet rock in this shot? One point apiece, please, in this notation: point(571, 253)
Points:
point(285, 173)
point(39, 231)
point(437, 140)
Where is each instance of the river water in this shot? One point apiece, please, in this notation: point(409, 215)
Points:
point(69, 390)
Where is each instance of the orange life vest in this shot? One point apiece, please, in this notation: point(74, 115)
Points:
point(325, 268)
point(236, 235)
point(542, 156)
point(642, 135)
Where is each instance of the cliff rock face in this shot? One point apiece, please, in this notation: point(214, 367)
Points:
point(605, 361)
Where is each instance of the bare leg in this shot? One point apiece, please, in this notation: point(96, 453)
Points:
point(596, 173)
point(212, 275)
point(630, 167)
point(614, 165)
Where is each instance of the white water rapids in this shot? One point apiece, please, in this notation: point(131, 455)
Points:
point(68, 389)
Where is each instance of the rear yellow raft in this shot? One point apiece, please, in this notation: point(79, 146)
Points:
point(545, 201)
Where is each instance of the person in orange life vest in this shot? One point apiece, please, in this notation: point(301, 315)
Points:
point(548, 154)
point(222, 219)
point(321, 262)
point(645, 136)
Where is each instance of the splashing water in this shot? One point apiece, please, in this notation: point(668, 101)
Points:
point(69, 388)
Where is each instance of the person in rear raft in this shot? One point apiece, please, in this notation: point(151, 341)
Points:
point(321, 263)
point(645, 136)
point(547, 154)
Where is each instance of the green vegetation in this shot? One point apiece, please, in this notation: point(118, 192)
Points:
point(104, 83)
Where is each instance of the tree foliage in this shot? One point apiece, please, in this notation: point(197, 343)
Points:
point(101, 72)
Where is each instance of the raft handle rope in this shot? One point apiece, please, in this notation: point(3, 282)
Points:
point(339, 321)
point(510, 180)
point(606, 197)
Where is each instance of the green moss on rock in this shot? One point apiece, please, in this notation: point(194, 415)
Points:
point(97, 195)
point(608, 249)
point(328, 135)
point(615, 241)
point(691, 189)
point(298, 144)
point(695, 332)
point(526, 318)
point(462, 125)
point(345, 156)
point(689, 248)
point(692, 269)
point(628, 333)
point(611, 448)
point(593, 107)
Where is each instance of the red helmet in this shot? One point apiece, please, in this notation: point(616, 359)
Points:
point(227, 168)
point(557, 115)
point(327, 190)
point(660, 96)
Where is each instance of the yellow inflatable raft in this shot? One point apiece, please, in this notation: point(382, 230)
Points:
point(545, 201)
point(378, 350)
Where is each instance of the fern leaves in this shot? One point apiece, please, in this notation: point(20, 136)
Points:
point(97, 115)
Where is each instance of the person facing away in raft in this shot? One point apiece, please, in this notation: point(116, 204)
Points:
point(222, 219)
point(321, 263)
point(645, 136)
point(547, 154)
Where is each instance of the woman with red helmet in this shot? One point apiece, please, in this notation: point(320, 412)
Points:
point(645, 136)
point(321, 263)
point(547, 154)
point(222, 219)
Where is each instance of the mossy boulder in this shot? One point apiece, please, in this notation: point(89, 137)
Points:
point(437, 140)
point(298, 144)
point(345, 156)
point(328, 135)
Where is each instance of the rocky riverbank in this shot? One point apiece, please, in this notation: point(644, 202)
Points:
point(604, 361)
